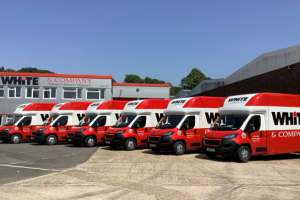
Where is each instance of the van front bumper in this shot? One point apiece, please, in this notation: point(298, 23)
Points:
point(163, 143)
point(4, 136)
point(77, 138)
point(38, 137)
point(116, 140)
point(227, 148)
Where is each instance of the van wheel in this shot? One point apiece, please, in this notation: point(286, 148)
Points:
point(130, 144)
point(51, 140)
point(178, 148)
point(15, 139)
point(243, 154)
point(90, 141)
point(211, 155)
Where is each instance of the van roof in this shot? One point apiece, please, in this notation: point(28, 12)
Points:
point(39, 106)
point(263, 99)
point(274, 99)
point(146, 104)
point(75, 105)
point(153, 104)
point(204, 102)
point(194, 104)
point(112, 105)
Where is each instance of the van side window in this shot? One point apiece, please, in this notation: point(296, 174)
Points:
point(188, 123)
point(140, 122)
point(100, 121)
point(254, 122)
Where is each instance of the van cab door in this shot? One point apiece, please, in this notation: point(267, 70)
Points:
point(99, 125)
point(140, 130)
point(192, 135)
point(257, 136)
point(26, 128)
point(62, 128)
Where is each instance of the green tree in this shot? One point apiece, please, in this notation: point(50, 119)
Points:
point(3, 69)
point(133, 78)
point(152, 80)
point(174, 90)
point(192, 79)
point(34, 70)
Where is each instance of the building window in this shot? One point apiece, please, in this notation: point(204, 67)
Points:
point(94, 94)
point(1, 91)
point(49, 93)
point(72, 93)
point(14, 92)
point(32, 92)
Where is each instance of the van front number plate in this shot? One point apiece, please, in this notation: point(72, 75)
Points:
point(210, 149)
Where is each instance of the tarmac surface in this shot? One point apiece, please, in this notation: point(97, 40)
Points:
point(23, 161)
point(112, 175)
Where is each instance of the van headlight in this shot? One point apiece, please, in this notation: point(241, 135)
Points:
point(168, 133)
point(229, 137)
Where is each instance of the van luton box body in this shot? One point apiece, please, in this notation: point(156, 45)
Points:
point(184, 123)
point(255, 124)
point(99, 117)
point(63, 117)
point(27, 119)
point(137, 120)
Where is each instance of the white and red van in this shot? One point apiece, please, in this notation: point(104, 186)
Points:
point(100, 117)
point(255, 124)
point(64, 116)
point(184, 123)
point(27, 119)
point(136, 122)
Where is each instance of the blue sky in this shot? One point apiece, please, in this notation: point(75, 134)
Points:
point(163, 39)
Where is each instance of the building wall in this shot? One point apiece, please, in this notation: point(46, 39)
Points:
point(284, 80)
point(8, 105)
point(140, 92)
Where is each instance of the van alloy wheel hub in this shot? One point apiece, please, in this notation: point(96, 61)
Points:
point(244, 154)
point(91, 142)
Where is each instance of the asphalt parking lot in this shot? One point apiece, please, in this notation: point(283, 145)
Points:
point(23, 161)
point(140, 174)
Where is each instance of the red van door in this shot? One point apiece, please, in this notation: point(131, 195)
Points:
point(26, 128)
point(192, 135)
point(258, 138)
point(140, 130)
point(100, 123)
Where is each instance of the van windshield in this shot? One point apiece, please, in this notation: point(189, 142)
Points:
point(60, 121)
point(229, 122)
point(49, 120)
point(124, 121)
point(86, 120)
point(24, 121)
point(12, 120)
point(169, 121)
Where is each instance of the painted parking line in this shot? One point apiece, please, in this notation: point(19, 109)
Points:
point(31, 168)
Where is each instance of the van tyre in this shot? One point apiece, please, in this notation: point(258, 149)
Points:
point(15, 139)
point(51, 140)
point(90, 141)
point(130, 144)
point(243, 154)
point(179, 148)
